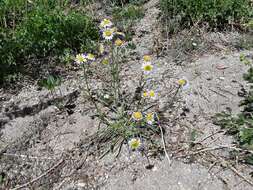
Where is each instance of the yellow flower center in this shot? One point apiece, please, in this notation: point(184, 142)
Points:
point(150, 117)
point(105, 61)
point(90, 56)
point(147, 58)
point(119, 42)
point(152, 93)
point(137, 115)
point(182, 82)
point(148, 68)
point(80, 58)
point(145, 94)
point(108, 33)
point(135, 143)
point(106, 21)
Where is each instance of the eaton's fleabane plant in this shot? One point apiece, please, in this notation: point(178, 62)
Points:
point(147, 68)
point(105, 23)
point(134, 143)
point(80, 59)
point(119, 42)
point(137, 116)
point(150, 118)
point(90, 57)
point(147, 58)
point(108, 33)
point(127, 114)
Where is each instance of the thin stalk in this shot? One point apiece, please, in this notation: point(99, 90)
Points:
point(174, 96)
point(115, 75)
point(101, 115)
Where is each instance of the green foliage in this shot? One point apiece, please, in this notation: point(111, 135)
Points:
point(250, 24)
point(245, 42)
point(241, 125)
point(44, 34)
point(50, 82)
point(41, 30)
point(217, 13)
point(125, 17)
point(130, 12)
point(2, 178)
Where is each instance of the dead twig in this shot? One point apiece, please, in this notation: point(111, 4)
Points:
point(208, 136)
point(164, 146)
point(208, 149)
point(233, 169)
point(221, 160)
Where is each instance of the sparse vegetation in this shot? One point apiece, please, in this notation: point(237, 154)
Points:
point(241, 125)
point(216, 14)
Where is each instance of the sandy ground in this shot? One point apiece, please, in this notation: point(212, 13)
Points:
point(52, 129)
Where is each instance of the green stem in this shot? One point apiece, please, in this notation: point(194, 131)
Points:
point(101, 115)
point(115, 75)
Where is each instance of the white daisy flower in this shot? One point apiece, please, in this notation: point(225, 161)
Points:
point(150, 118)
point(80, 59)
point(137, 116)
point(108, 34)
point(105, 23)
point(90, 57)
point(147, 68)
point(152, 94)
point(134, 143)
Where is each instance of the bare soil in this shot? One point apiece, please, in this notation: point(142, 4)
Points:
point(44, 136)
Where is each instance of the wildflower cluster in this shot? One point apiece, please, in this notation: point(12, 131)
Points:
point(110, 33)
point(130, 117)
point(84, 58)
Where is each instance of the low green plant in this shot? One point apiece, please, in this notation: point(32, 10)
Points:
point(241, 125)
point(50, 83)
point(215, 13)
point(44, 30)
point(2, 178)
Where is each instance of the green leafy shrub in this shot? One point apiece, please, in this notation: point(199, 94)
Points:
point(217, 13)
point(46, 30)
point(44, 34)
